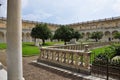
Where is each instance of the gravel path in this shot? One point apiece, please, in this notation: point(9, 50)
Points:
point(34, 72)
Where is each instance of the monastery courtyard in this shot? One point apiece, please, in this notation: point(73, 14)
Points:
point(43, 45)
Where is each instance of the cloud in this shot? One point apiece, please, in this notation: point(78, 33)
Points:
point(67, 11)
point(116, 6)
point(24, 3)
point(37, 15)
point(3, 8)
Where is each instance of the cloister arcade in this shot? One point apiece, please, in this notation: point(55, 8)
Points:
point(26, 37)
point(108, 26)
point(2, 37)
point(26, 29)
point(107, 35)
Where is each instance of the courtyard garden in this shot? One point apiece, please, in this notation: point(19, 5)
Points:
point(31, 52)
point(106, 61)
point(29, 49)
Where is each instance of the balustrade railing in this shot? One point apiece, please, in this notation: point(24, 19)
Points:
point(74, 57)
point(70, 59)
point(82, 46)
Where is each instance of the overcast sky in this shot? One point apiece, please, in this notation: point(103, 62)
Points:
point(66, 11)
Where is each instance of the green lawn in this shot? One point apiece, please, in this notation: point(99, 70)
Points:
point(53, 43)
point(28, 49)
point(2, 46)
point(101, 50)
point(97, 51)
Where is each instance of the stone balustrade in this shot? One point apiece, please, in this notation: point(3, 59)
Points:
point(82, 45)
point(70, 47)
point(100, 44)
point(70, 59)
point(75, 57)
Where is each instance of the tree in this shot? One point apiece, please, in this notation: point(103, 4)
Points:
point(64, 33)
point(117, 35)
point(57, 35)
point(96, 35)
point(33, 34)
point(41, 31)
point(77, 35)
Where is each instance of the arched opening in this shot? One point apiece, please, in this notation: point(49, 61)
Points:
point(88, 35)
point(83, 34)
point(113, 33)
point(1, 37)
point(28, 37)
point(108, 35)
point(23, 37)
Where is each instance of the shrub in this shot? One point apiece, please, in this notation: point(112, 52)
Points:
point(100, 59)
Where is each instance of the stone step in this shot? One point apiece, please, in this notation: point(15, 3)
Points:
point(83, 76)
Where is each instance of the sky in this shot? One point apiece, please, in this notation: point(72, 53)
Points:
point(66, 11)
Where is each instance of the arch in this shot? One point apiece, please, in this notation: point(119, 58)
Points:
point(114, 32)
point(1, 34)
point(88, 34)
point(108, 36)
point(23, 34)
point(107, 33)
point(83, 34)
point(28, 34)
point(23, 37)
point(1, 37)
point(28, 37)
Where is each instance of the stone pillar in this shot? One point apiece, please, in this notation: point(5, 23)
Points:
point(14, 40)
point(24, 37)
point(87, 59)
point(86, 48)
point(30, 39)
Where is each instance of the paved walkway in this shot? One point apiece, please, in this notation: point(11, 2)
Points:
point(68, 72)
point(33, 72)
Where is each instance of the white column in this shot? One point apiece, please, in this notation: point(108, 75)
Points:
point(14, 40)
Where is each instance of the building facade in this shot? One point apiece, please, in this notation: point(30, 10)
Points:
point(108, 26)
point(26, 29)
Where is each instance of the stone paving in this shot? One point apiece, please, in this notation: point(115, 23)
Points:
point(80, 76)
point(33, 72)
